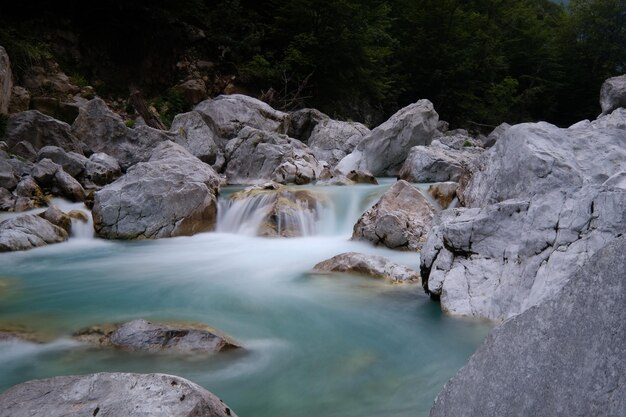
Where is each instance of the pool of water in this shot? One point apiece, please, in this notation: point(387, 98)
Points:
point(314, 345)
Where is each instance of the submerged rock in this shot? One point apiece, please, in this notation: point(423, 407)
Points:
point(370, 265)
point(112, 394)
point(385, 148)
point(399, 220)
point(28, 232)
point(173, 194)
point(564, 358)
point(613, 94)
point(142, 335)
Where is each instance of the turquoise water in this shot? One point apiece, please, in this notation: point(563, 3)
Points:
point(315, 345)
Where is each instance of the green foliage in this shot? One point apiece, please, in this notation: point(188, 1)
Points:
point(467, 144)
point(130, 123)
point(169, 105)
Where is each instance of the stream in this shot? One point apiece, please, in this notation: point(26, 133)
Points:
point(336, 345)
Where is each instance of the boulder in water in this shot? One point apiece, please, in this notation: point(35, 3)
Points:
point(370, 265)
point(27, 232)
point(111, 394)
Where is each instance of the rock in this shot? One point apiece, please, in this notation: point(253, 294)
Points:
point(194, 90)
point(8, 179)
point(7, 200)
point(302, 122)
point(44, 172)
point(66, 111)
point(457, 139)
point(444, 193)
point(383, 151)
point(256, 156)
point(78, 215)
point(29, 131)
point(173, 194)
point(49, 80)
point(437, 164)
point(73, 163)
point(58, 218)
point(616, 120)
point(496, 134)
point(613, 94)
point(361, 177)
point(230, 113)
point(564, 358)
point(28, 188)
point(194, 134)
point(66, 186)
point(27, 232)
point(399, 220)
point(500, 260)
point(534, 158)
point(370, 265)
point(142, 335)
point(112, 394)
point(20, 99)
point(102, 169)
point(101, 130)
point(6, 81)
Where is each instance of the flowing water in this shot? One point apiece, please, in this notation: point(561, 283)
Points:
point(315, 345)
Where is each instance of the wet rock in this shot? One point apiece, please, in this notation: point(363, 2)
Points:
point(613, 94)
point(20, 99)
point(444, 193)
point(142, 335)
point(173, 194)
point(383, 151)
point(437, 164)
point(29, 131)
point(102, 169)
point(194, 134)
point(57, 218)
point(399, 220)
point(78, 215)
point(566, 357)
point(256, 156)
point(28, 232)
point(370, 265)
point(6, 81)
point(112, 394)
point(334, 177)
point(230, 113)
point(73, 163)
point(361, 177)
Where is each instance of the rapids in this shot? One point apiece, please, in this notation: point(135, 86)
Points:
point(315, 345)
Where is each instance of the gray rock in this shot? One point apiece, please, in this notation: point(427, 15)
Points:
point(534, 158)
point(194, 134)
point(613, 94)
point(111, 394)
point(457, 139)
point(302, 122)
point(616, 120)
point(383, 151)
point(500, 260)
point(370, 265)
point(58, 218)
point(101, 130)
point(66, 186)
point(7, 200)
point(20, 99)
point(27, 232)
point(44, 172)
point(28, 188)
point(256, 156)
point(173, 194)
point(29, 131)
point(444, 193)
point(6, 81)
point(565, 357)
point(496, 134)
point(437, 164)
point(8, 179)
point(399, 220)
point(230, 113)
point(73, 163)
point(102, 169)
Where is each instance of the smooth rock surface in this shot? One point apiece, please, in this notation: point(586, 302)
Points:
point(194, 134)
point(112, 395)
point(173, 194)
point(437, 164)
point(399, 220)
point(256, 156)
point(6, 81)
point(73, 163)
point(331, 140)
point(370, 265)
point(613, 94)
point(496, 134)
point(28, 232)
point(383, 151)
point(565, 357)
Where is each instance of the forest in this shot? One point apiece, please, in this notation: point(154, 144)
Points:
point(481, 62)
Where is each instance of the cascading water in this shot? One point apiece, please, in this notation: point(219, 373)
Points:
point(314, 345)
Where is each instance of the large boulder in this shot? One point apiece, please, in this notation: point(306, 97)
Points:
point(230, 113)
point(370, 265)
point(256, 156)
point(173, 194)
point(535, 158)
point(383, 151)
point(198, 137)
point(29, 131)
point(399, 220)
point(564, 358)
point(52, 178)
point(145, 336)
point(101, 130)
point(6, 81)
point(27, 232)
point(437, 163)
point(112, 394)
point(613, 94)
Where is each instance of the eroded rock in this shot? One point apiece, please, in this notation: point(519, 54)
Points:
point(613, 94)
point(370, 265)
point(28, 232)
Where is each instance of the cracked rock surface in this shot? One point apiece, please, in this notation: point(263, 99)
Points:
point(173, 194)
point(565, 357)
point(112, 394)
